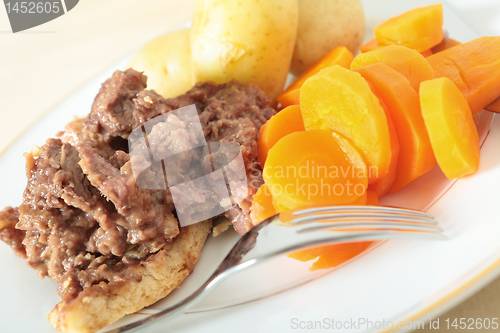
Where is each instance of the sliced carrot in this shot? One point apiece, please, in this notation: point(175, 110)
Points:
point(445, 44)
point(427, 53)
point(262, 205)
point(371, 45)
point(289, 97)
point(314, 167)
point(361, 201)
point(341, 100)
point(495, 106)
point(421, 45)
point(452, 131)
point(374, 44)
point(419, 29)
point(330, 255)
point(286, 121)
point(383, 185)
point(336, 254)
point(474, 67)
point(371, 198)
point(273, 104)
point(416, 157)
point(408, 62)
point(338, 56)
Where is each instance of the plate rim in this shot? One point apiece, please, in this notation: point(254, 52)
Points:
point(458, 295)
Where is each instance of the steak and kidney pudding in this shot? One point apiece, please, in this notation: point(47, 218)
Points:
point(83, 220)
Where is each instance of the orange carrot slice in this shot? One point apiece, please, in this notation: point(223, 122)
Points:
point(416, 157)
point(341, 100)
point(371, 45)
point(495, 106)
point(330, 255)
point(289, 97)
point(445, 44)
point(474, 67)
point(361, 201)
point(382, 186)
point(286, 121)
point(419, 28)
point(338, 56)
point(421, 45)
point(263, 208)
point(313, 168)
point(427, 53)
point(452, 131)
point(262, 205)
point(374, 44)
point(408, 62)
point(371, 198)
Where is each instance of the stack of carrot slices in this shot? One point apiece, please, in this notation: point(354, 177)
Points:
point(352, 130)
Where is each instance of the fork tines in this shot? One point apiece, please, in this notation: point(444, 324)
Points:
point(360, 209)
point(362, 217)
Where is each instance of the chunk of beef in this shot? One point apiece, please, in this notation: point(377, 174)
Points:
point(122, 105)
point(147, 214)
point(64, 216)
point(55, 179)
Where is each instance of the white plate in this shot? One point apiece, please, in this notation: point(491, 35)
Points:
point(395, 281)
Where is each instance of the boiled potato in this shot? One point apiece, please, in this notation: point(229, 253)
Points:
point(325, 25)
point(167, 62)
point(246, 40)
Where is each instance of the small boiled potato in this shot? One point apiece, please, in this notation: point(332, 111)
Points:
point(246, 40)
point(325, 25)
point(167, 63)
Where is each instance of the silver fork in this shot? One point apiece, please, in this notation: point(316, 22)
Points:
point(295, 230)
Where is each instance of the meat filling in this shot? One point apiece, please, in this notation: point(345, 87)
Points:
point(84, 220)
